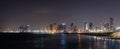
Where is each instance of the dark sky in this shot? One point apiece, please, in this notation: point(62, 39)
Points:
point(39, 13)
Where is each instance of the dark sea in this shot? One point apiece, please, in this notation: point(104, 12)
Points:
point(55, 41)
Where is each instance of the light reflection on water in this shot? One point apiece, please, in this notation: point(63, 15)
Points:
point(79, 42)
point(82, 42)
point(64, 41)
point(103, 43)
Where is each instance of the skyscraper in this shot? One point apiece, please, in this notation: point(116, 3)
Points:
point(86, 26)
point(24, 28)
point(91, 26)
point(71, 27)
point(111, 23)
point(61, 27)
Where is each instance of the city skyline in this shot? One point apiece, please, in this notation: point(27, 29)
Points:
point(40, 13)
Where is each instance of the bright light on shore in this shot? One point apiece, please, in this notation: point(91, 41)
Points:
point(117, 28)
point(116, 34)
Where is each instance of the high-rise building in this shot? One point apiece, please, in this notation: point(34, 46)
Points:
point(24, 28)
point(75, 29)
point(47, 28)
point(106, 25)
point(51, 27)
point(71, 27)
point(61, 27)
point(90, 26)
point(86, 26)
point(111, 23)
point(54, 27)
point(102, 27)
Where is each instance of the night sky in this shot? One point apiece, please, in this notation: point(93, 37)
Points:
point(39, 13)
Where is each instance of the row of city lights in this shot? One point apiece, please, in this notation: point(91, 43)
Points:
point(54, 31)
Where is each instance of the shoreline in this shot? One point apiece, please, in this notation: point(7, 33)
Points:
point(32, 36)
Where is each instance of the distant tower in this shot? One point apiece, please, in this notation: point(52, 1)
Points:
point(51, 27)
point(91, 26)
point(86, 26)
point(75, 29)
point(58, 27)
point(21, 29)
point(61, 27)
point(106, 25)
point(24, 28)
point(71, 27)
point(102, 27)
point(54, 27)
point(111, 23)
